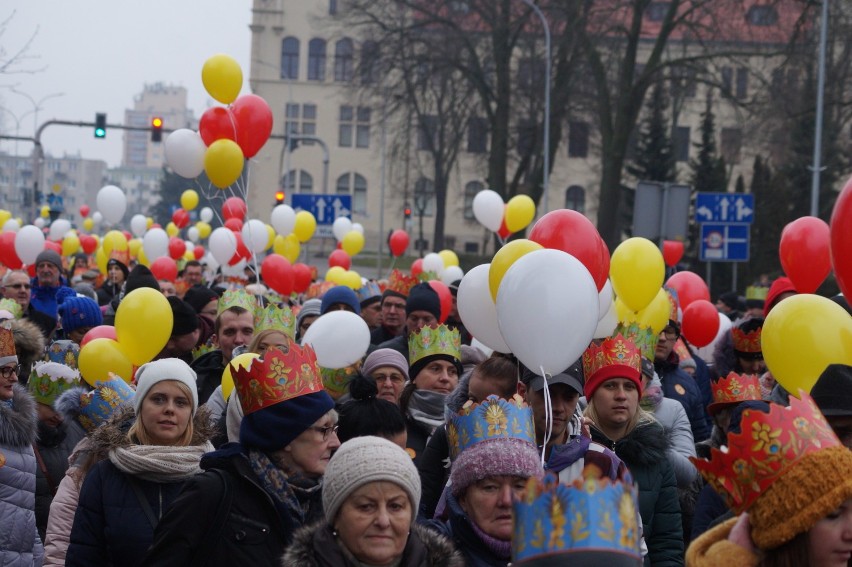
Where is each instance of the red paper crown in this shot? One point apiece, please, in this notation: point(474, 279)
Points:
point(769, 445)
point(279, 376)
point(747, 342)
point(616, 356)
point(402, 283)
point(7, 345)
point(122, 256)
point(733, 389)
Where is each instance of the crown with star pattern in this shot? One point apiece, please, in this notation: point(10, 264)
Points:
point(494, 418)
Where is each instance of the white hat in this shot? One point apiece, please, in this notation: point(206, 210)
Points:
point(164, 369)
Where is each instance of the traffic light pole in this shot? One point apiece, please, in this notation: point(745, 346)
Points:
point(304, 137)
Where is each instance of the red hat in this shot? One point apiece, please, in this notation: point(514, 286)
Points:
point(615, 357)
point(779, 286)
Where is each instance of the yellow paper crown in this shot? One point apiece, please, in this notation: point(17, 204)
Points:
point(275, 318)
point(12, 307)
point(643, 337)
point(7, 345)
point(430, 341)
point(237, 298)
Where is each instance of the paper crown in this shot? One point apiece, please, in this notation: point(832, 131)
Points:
point(237, 298)
point(122, 256)
point(318, 289)
point(12, 307)
point(430, 341)
point(643, 337)
point(675, 313)
point(767, 447)
point(202, 350)
point(99, 404)
point(757, 292)
point(7, 345)
point(615, 356)
point(336, 380)
point(494, 418)
point(401, 283)
point(49, 379)
point(747, 342)
point(279, 376)
point(591, 515)
point(733, 389)
point(368, 290)
point(64, 352)
point(275, 318)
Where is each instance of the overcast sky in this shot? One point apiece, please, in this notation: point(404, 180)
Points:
point(99, 54)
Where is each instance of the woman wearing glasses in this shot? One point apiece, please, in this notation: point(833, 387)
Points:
point(255, 494)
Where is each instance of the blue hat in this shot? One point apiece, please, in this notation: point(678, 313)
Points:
point(340, 294)
point(76, 312)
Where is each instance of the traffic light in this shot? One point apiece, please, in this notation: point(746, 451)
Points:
point(100, 125)
point(407, 212)
point(279, 197)
point(156, 129)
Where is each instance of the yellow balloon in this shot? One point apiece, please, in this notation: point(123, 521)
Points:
point(141, 258)
point(101, 259)
point(149, 222)
point(520, 212)
point(99, 357)
point(656, 314)
point(4, 216)
point(242, 361)
point(287, 246)
point(189, 199)
point(336, 275)
point(305, 226)
point(172, 229)
point(45, 211)
point(114, 240)
point(352, 243)
point(504, 258)
point(223, 162)
point(223, 78)
point(449, 257)
point(351, 279)
point(143, 324)
point(188, 255)
point(70, 244)
point(134, 245)
point(88, 225)
point(637, 271)
point(801, 336)
point(271, 232)
point(204, 229)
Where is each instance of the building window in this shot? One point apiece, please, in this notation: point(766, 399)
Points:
point(354, 127)
point(301, 119)
point(290, 58)
point(477, 135)
point(316, 59)
point(762, 16)
point(332, 7)
point(470, 191)
point(424, 186)
point(299, 178)
point(578, 139)
point(343, 60)
point(656, 11)
point(683, 82)
point(530, 72)
point(575, 199)
point(727, 81)
point(681, 143)
point(471, 248)
point(355, 185)
point(369, 62)
point(742, 83)
point(427, 133)
point(732, 143)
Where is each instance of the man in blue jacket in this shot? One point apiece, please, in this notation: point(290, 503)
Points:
point(49, 287)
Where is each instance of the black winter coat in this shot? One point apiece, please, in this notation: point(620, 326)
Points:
point(54, 445)
point(643, 450)
point(209, 368)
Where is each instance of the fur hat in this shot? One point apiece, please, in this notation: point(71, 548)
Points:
point(78, 312)
point(164, 369)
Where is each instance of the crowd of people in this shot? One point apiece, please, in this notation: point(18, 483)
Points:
point(234, 447)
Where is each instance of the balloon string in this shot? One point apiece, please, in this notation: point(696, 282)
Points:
point(392, 265)
point(548, 415)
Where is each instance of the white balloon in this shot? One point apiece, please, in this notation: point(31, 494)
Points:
point(12, 225)
point(39, 222)
point(432, 262)
point(155, 243)
point(206, 214)
point(236, 270)
point(608, 323)
point(138, 225)
point(97, 217)
point(185, 153)
point(223, 245)
point(341, 227)
point(112, 202)
point(210, 261)
point(58, 229)
point(539, 294)
point(29, 243)
point(706, 352)
point(358, 227)
point(283, 219)
point(452, 274)
point(189, 245)
point(488, 208)
point(477, 309)
point(605, 299)
point(339, 338)
point(486, 350)
point(192, 234)
point(255, 235)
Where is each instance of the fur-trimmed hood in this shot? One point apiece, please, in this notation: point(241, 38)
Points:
point(309, 540)
point(19, 424)
point(113, 433)
point(29, 343)
point(645, 445)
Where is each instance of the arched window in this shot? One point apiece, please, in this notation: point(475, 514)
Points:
point(369, 62)
point(299, 178)
point(470, 191)
point(290, 58)
point(356, 185)
point(575, 199)
point(316, 59)
point(343, 60)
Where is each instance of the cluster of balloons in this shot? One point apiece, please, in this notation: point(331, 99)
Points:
point(442, 266)
point(503, 218)
point(226, 136)
point(350, 241)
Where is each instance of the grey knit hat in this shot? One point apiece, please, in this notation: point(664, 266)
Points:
point(363, 460)
point(385, 357)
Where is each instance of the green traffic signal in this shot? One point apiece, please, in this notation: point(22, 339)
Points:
point(100, 125)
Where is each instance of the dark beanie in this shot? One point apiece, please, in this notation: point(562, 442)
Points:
point(198, 296)
point(121, 266)
point(48, 255)
point(832, 392)
point(77, 312)
point(185, 317)
point(140, 276)
point(731, 299)
point(735, 424)
point(340, 294)
point(276, 426)
point(423, 298)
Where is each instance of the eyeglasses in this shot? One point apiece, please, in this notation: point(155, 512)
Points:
point(9, 371)
point(670, 333)
point(325, 431)
point(395, 378)
point(391, 306)
point(18, 286)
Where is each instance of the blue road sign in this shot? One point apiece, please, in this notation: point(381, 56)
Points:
point(324, 207)
point(724, 207)
point(721, 242)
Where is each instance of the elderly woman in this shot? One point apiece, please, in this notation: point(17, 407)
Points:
point(389, 369)
point(124, 496)
point(370, 498)
point(255, 494)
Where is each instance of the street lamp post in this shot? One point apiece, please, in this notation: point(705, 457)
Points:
point(422, 195)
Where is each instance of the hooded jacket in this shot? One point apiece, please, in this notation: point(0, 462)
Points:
point(47, 299)
point(19, 541)
point(29, 345)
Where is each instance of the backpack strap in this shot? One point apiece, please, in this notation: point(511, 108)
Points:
point(143, 501)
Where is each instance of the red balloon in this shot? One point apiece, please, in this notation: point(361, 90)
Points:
point(242, 253)
point(99, 332)
point(181, 218)
point(301, 277)
point(573, 233)
point(8, 256)
point(398, 242)
point(417, 267)
point(504, 232)
point(689, 287)
point(31, 270)
point(672, 252)
point(841, 239)
point(88, 243)
point(55, 246)
point(234, 208)
point(164, 268)
point(254, 123)
point(805, 253)
point(84, 210)
point(198, 252)
point(217, 123)
point(444, 296)
point(339, 258)
point(277, 273)
point(177, 247)
point(700, 322)
point(235, 224)
point(127, 234)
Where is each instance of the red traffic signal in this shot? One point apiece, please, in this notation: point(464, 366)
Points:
point(279, 196)
point(407, 212)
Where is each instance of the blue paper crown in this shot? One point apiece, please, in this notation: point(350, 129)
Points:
point(591, 515)
point(99, 404)
point(494, 418)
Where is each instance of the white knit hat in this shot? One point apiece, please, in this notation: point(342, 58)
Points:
point(164, 369)
point(363, 460)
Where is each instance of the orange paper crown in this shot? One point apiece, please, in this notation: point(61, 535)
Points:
point(615, 356)
point(747, 342)
point(122, 256)
point(401, 283)
point(733, 389)
point(769, 445)
point(279, 376)
point(7, 345)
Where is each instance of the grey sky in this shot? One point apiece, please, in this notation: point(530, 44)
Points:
point(101, 53)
